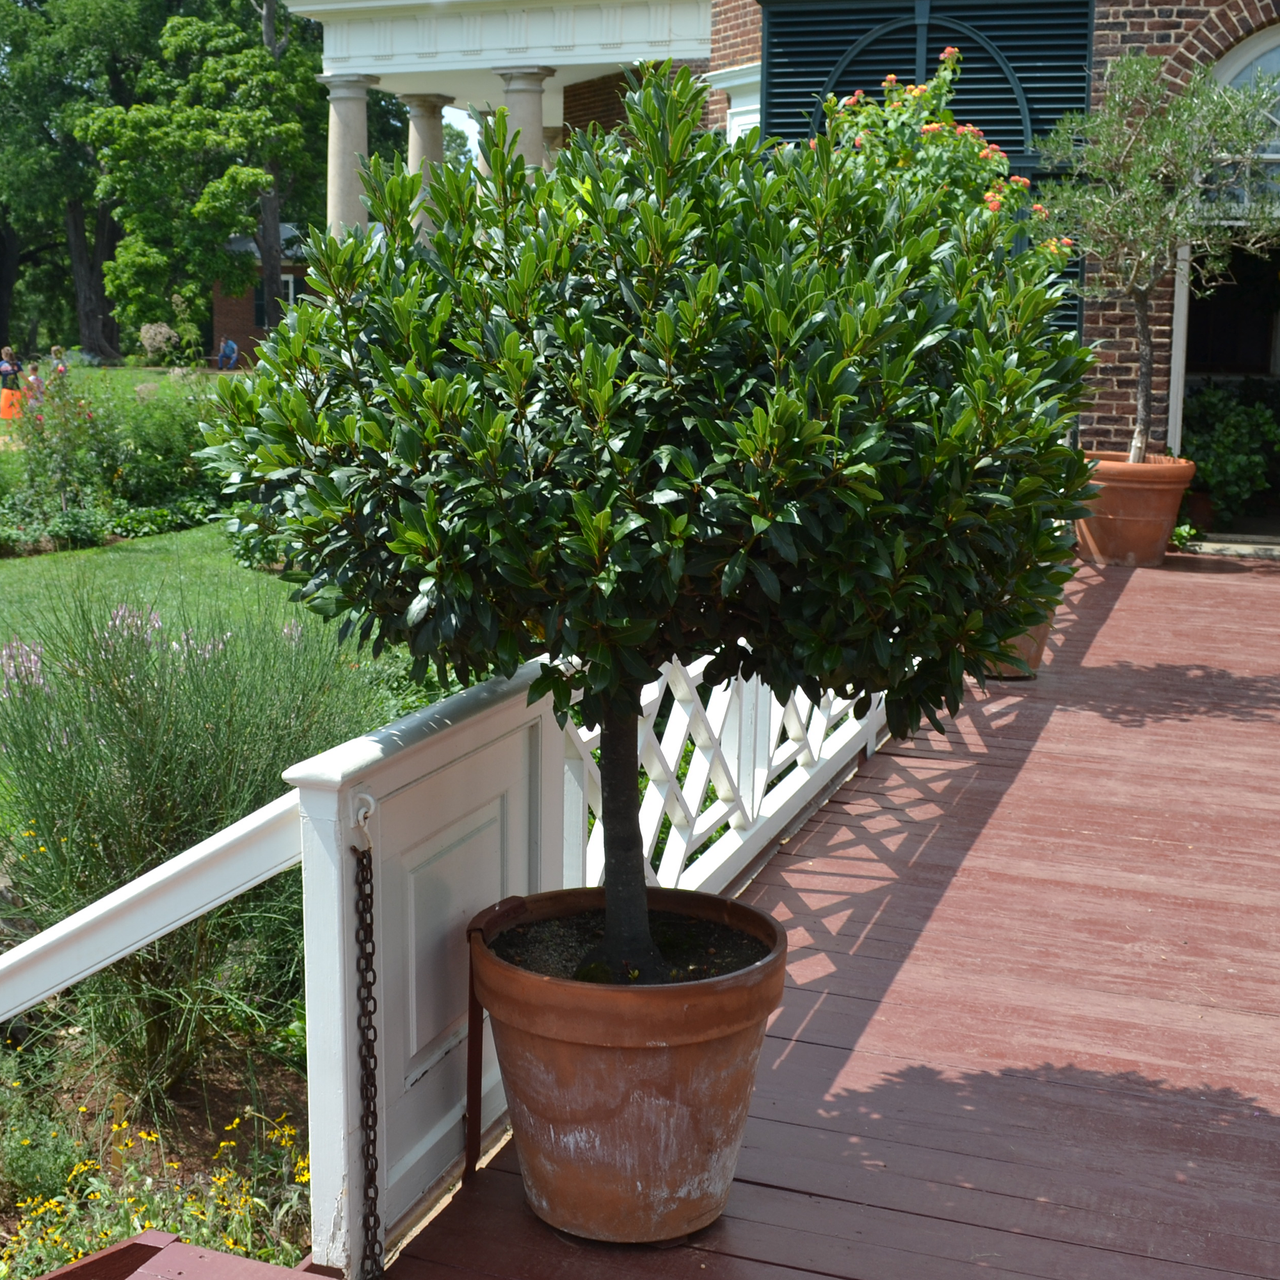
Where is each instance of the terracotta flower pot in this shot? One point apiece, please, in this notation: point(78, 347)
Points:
point(628, 1104)
point(1030, 648)
point(1135, 513)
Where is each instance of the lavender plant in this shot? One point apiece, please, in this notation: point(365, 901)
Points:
point(125, 738)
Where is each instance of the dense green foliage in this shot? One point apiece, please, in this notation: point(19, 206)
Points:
point(1156, 167)
point(218, 121)
point(128, 737)
point(98, 457)
point(679, 395)
point(798, 408)
point(1235, 447)
point(254, 1201)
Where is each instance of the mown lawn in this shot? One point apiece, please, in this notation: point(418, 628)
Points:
point(184, 572)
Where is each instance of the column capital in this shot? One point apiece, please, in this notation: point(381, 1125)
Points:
point(426, 101)
point(528, 79)
point(347, 86)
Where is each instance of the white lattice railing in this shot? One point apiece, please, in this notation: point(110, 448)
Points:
point(727, 771)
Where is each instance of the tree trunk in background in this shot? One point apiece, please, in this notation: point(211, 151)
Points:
point(268, 239)
point(1146, 372)
point(9, 263)
point(99, 332)
point(269, 202)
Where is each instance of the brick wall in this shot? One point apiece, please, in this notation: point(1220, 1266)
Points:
point(600, 100)
point(1186, 36)
point(735, 42)
point(233, 318)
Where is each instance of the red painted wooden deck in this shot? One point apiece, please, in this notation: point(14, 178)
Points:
point(1031, 1027)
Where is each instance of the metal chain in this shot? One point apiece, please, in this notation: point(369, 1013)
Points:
point(367, 977)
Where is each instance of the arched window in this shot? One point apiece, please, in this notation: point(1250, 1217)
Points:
point(1258, 57)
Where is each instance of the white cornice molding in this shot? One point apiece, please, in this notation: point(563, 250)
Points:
point(410, 36)
point(746, 76)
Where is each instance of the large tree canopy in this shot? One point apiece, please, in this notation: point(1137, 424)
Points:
point(61, 60)
point(228, 137)
point(798, 409)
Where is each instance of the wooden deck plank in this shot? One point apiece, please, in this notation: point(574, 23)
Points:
point(1030, 1024)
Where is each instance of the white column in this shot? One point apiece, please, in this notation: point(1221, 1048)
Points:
point(348, 141)
point(426, 127)
point(1178, 349)
point(552, 141)
point(524, 108)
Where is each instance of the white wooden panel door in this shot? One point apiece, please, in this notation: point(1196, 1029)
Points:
point(448, 845)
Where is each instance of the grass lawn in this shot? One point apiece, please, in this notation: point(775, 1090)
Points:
point(190, 570)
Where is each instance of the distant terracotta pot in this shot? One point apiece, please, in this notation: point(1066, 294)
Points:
point(1200, 511)
point(1030, 648)
point(628, 1104)
point(1135, 513)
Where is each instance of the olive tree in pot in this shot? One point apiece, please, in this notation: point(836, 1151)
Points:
point(799, 409)
point(1156, 169)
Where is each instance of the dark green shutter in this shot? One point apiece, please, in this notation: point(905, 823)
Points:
point(1024, 63)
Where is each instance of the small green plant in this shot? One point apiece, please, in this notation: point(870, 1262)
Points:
point(1233, 446)
point(257, 1208)
point(39, 1143)
point(1182, 535)
point(128, 738)
point(1153, 168)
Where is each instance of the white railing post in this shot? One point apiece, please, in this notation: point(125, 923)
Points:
point(462, 804)
point(333, 1091)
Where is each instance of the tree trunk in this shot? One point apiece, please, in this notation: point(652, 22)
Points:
point(269, 201)
point(99, 332)
point(10, 251)
point(1146, 369)
point(269, 251)
point(628, 946)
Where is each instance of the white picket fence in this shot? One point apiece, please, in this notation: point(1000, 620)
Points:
point(463, 803)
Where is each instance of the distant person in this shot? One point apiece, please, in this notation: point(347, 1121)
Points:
point(228, 354)
point(35, 384)
point(10, 385)
point(59, 358)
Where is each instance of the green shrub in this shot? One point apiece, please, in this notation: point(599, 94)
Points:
point(256, 1208)
point(799, 409)
point(39, 1144)
point(128, 738)
point(156, 429)
point(1233, 446)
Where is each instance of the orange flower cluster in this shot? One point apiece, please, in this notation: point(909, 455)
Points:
point(949, 52)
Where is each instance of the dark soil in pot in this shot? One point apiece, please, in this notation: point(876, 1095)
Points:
point(693, 948)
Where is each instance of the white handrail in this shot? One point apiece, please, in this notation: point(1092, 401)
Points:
point(208, 874)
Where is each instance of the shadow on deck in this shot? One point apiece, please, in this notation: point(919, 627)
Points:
point(1030, 1026)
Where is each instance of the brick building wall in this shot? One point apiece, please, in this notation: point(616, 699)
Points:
point(233, 317)
point(600, 100)
point(735, 42)
point(1186, 36)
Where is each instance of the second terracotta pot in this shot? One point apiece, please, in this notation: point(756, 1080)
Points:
point(1135, 513)
point(628, 1104)
point(1030, 648)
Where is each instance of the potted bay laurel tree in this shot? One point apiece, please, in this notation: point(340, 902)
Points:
point(1156, 168)
point(800, 409)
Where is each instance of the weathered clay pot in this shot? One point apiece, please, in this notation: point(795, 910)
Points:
point(628, 1104)
point(1135, 513)
point(1030, 648)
